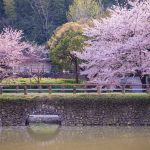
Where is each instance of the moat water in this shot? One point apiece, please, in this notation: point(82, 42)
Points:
point(46, 137)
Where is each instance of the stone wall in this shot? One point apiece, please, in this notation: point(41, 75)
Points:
point(77, 112)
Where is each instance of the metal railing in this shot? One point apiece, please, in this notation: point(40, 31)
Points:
point(73, 88)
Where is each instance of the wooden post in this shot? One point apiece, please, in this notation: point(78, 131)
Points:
point(17, 88)
point(63, 88)
point(148, 89)
point(1, 90)
point(25, 90)
point(39, 87)
point(123, 89)
point(85, 89)
point(74, 90)
point(50, 89)
point(98, 89)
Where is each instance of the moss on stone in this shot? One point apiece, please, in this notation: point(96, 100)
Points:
point(82, 97)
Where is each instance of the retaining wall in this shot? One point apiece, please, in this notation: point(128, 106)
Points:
point(77, 112)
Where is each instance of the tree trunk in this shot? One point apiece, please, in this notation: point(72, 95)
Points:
point(76, 70)
point(143, 79)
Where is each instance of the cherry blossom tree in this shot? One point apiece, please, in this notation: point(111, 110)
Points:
point(11, 47)
point(119, 45)
point(37, 54)
point(14, 50)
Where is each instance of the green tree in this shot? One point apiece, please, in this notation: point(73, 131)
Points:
point(3, 20)
point(1, 9)
point(23, 14)
point(67, 40)
point(10, 11)
point(84, 9)
point(28, 21)
point(38, 26)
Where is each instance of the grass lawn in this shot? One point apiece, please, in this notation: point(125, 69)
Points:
point(84, 97)
point(43, 81)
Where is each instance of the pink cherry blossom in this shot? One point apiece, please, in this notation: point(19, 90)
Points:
point(14, 50)
point(119, 45)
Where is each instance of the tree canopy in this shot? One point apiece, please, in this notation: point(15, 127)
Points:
point(1, 9)
point(14, 50)
point(63, 43)
point(26, 15)
point(84, 9)
point(37, 20)
point(119, 46)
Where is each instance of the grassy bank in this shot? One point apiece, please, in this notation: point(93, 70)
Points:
point(83, 97)
point(43, 81)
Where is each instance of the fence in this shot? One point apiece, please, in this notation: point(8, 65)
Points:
point(74, 88)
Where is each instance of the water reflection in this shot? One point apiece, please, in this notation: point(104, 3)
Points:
point(43, 132)
point(74, 138)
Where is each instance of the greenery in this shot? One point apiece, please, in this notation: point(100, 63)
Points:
point(84, 9)
point(1, 9)
point(25, 15)
point(41, 131)
point(78, 97)
point(65, 41)
point(43, 128)
point(43, 81)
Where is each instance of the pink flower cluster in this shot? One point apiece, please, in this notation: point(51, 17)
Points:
point(119, 45)
point(13, 50)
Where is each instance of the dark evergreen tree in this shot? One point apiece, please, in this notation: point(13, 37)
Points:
point(2, 15)
point(32, 22)
point(1, 9)
point(26, 19)
point(22, 15)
